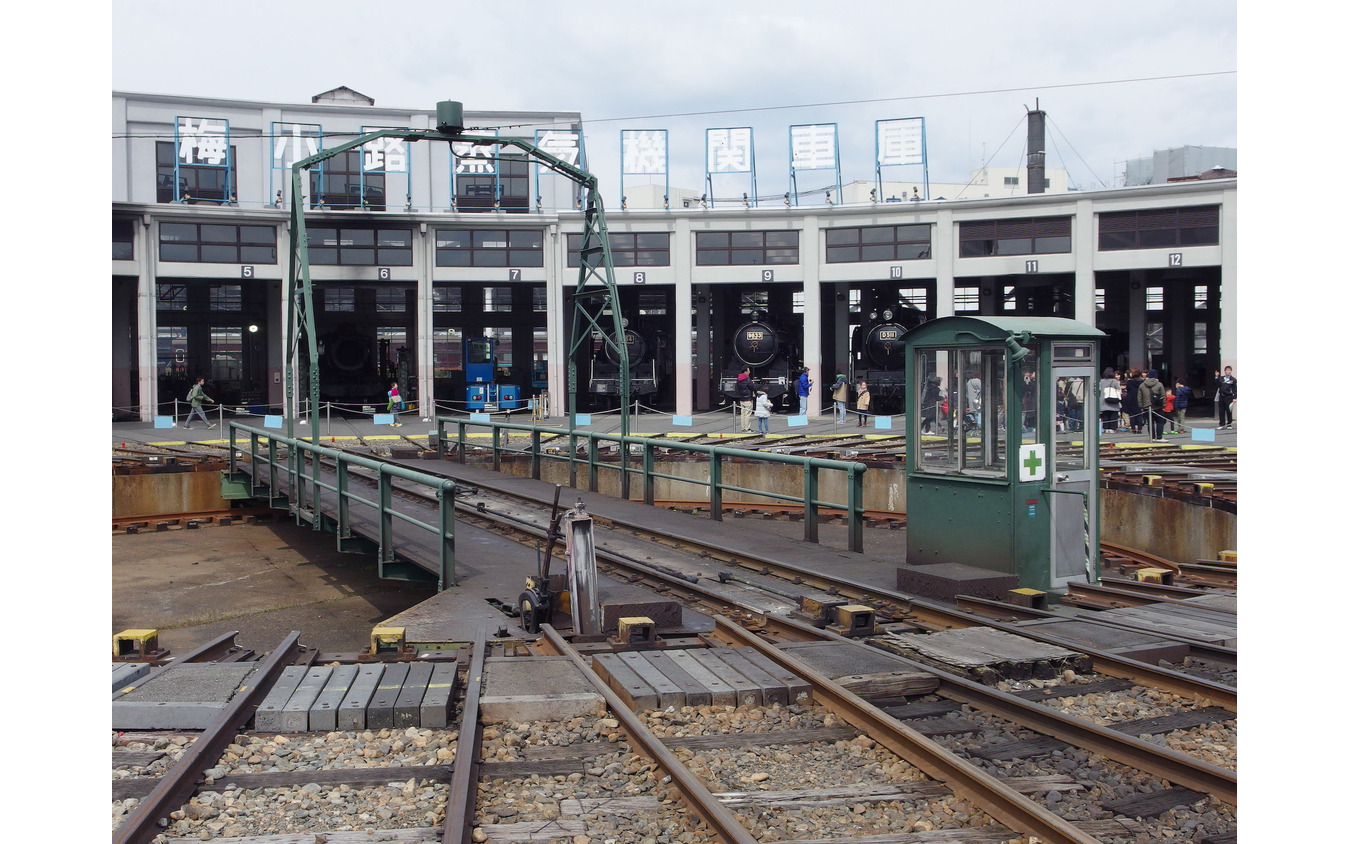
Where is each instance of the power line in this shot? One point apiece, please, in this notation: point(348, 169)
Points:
point(921, 96)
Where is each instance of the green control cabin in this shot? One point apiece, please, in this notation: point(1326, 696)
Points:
point(1002, 467)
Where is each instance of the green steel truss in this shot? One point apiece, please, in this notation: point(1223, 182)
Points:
point(595, 292)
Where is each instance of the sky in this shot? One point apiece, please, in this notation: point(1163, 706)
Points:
point(1116, 82)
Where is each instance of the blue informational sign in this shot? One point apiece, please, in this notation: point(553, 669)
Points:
point(796, 421)
point(1202, 435)
point(163, 421)
point(882, 422)
point(273, 421)
point(683, 421)
point(583, 419)
point(480, 417)
point(383, 419)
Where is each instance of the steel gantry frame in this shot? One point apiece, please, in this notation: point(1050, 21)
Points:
point(595, 292)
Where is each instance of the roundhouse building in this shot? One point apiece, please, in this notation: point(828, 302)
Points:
point(415, 248)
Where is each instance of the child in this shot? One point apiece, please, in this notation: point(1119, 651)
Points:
point(1169, 404)
point(762, 409)
point(864, 403)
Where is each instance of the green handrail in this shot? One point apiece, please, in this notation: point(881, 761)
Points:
point(302, 451)
point(716, 454)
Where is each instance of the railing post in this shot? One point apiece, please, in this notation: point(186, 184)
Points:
point(592, 463)
point(343, 505)
point(715, 483)
point(648, 473)
point(496, 447)
point(572, 459)
point(535, 459)
point(810, 491)
point(855, 509)
point(317, 491)
point(386, 517)
point(463, 439)
point(623, 467)
point(440, 438)
point(446, 497)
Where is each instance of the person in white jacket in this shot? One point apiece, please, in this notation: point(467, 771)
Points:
point(762, 410)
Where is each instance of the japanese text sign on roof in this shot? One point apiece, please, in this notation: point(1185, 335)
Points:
point(644, 151)
point(900, 141)
point(730, 150)
point(384, 155)
point(292, 142)
point(813, 146)
point(203, 140)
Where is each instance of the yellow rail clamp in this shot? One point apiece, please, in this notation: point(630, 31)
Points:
point(1202, 488)
point(1153, 576)
point(386, 640)
point(135, 643)
point(637, 630)
point(1228, 556)
point(1152, 480)
point(1025, 597)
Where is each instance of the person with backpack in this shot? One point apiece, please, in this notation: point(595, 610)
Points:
point(840, 396)
point(1152, 397)
point(195, 397)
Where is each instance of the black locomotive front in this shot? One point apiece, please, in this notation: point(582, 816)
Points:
point(648, 363)
point(770, 351)
point(879, 355)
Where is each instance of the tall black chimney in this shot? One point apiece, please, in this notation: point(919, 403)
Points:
point(1036, 150)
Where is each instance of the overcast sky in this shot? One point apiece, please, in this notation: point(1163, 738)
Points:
point(1117, 81)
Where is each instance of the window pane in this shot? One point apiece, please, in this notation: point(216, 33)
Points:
point(878, 234)
point(878, 252)
point(712, 240)
point(219, 234)
point(220, 254)
point(177, 232)
point(177, 252)
point(395, 237)
point(257, 255)
point(1048, 245)
point(257, 234)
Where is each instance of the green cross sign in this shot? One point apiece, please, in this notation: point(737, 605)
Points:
point(1031, 462)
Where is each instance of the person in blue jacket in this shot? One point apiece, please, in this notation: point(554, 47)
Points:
point(804, 384)
point(1181, 399)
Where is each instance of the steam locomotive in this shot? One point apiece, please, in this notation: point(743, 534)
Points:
point(878, 350)
point(650, 363)
point(771, 351)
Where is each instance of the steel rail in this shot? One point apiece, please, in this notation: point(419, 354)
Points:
point(1202, 649)
point(720, 820)
point(929, 614)
point(1005, 805)
point(1172, 765)
point(141, 824)
point(459, 809)
point(1135, 598)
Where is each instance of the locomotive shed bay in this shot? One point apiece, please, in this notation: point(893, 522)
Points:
point(807, 772)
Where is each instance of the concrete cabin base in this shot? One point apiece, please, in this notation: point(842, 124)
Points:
point(944, 581)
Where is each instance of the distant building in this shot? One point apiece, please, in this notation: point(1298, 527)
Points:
point(1181, 163)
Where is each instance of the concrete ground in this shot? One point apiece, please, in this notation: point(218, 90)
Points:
point(263, 580)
